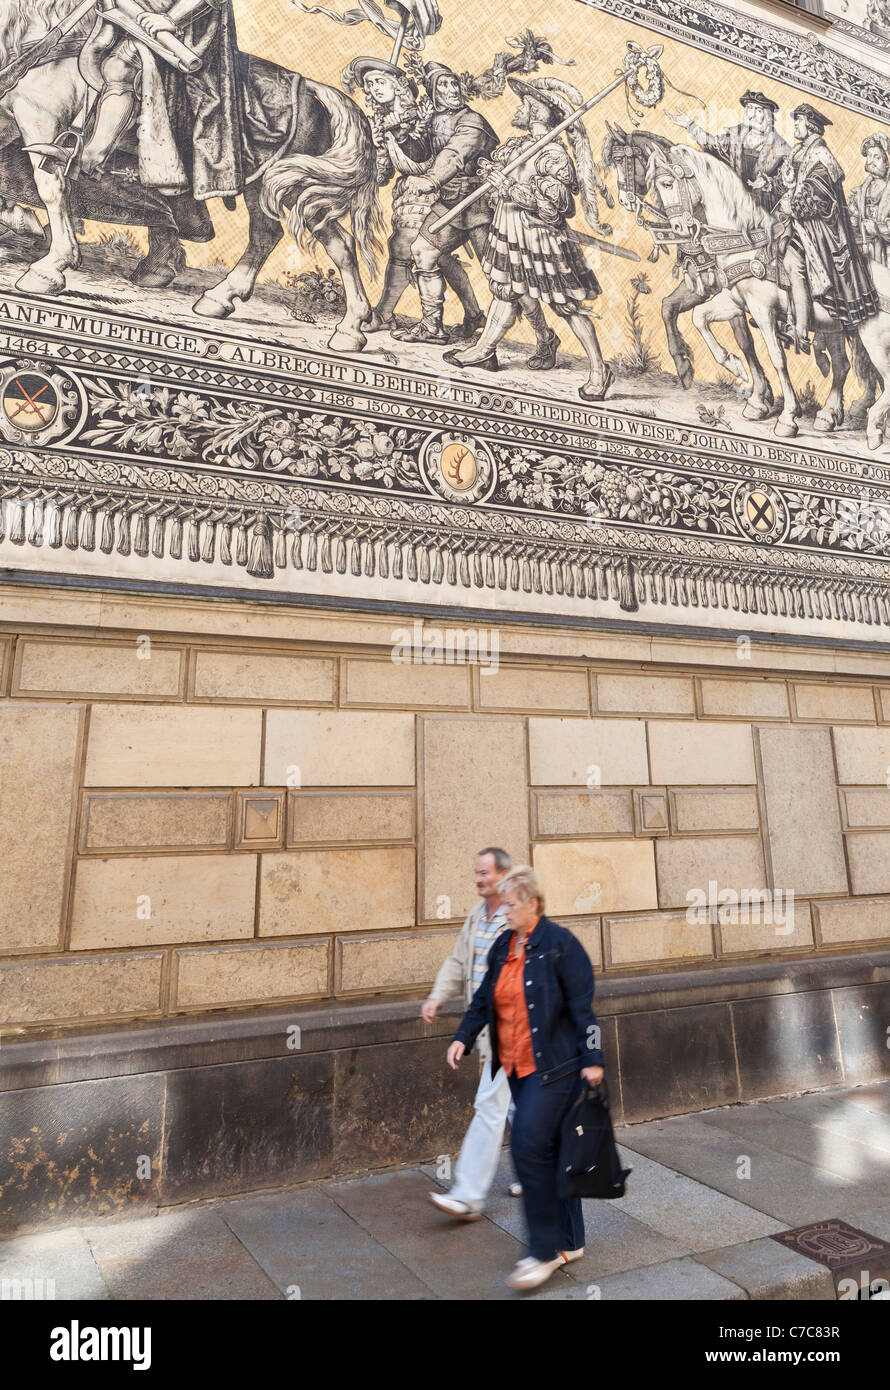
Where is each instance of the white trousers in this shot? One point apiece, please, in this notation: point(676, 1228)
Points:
point(481, 1150)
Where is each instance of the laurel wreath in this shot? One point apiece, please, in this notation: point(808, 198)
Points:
point(636, 63)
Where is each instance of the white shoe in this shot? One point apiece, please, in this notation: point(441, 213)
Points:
point(568, 1257)
point(452, 1207)
point(515, 1189)
point(531, 1273)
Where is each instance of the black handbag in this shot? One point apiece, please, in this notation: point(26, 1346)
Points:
point(589, 1165)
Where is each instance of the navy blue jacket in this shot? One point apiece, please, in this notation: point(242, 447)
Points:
point(558, 979)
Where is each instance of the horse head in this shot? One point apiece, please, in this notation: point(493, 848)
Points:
point(629, 155)
point(676, 190)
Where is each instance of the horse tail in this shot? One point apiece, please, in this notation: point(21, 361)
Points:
point(314, 190)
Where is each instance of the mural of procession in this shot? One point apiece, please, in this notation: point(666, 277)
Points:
point(468, 222)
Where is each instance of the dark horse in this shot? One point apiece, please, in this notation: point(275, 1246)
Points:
point(311, 160)
point(631, 156)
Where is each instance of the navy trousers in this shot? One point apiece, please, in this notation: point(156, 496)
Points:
point(553, 1224)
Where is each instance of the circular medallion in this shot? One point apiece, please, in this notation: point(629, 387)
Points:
point(760, 513)
point(30, 401)
point(458, 467)
point(39, 406)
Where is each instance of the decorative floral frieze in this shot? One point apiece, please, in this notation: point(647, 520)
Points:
point(244, 434)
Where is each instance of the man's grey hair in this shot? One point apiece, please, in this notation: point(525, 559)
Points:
point(502, 860)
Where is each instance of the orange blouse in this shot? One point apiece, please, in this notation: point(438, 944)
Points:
point(515, 1049)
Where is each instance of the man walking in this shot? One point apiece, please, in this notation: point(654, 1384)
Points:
point(402, 140)
point(533, 256)
point(460, 975)
point(458, 138)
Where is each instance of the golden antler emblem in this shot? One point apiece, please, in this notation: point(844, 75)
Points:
point(458, 465)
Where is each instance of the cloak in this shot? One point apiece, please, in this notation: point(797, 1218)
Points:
point(823, 229)
point(191, 125)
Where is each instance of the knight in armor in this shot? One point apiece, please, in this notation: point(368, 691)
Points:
point(459, 138)
point(870, 202)
point(401, 139)
point(754, 148)
point(533, 256)
point(188, 125)
point(821, 256)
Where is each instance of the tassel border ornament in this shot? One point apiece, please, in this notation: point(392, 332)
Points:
point(270, 539)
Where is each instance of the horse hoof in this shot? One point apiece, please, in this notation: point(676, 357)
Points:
point(755, 412)
point(874, 438)
point(153, 279)
point(343, 341)
point(826, 422)
point(213, 308)
point(35, 282)
point(786, 429)
point(686, 375)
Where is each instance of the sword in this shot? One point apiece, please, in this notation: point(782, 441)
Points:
point(611, 246)
point(36, 53)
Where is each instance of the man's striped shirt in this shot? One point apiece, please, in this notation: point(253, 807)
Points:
point(487, 929)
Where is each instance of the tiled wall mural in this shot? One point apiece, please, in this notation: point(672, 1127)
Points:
point(566, 309)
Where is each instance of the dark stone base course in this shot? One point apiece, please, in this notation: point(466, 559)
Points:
point(127, 1120)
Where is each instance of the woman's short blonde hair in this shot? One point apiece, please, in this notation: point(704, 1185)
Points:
point(524, 882)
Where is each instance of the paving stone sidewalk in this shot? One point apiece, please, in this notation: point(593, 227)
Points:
point(691, 1226)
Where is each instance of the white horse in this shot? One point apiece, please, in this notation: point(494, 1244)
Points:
point(729, 207)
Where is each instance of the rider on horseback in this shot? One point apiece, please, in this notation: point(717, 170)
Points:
point(870, 202)
point(821, 257)
point(188, 124)
point(754, 149)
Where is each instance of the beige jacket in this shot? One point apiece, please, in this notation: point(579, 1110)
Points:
point(455, 977)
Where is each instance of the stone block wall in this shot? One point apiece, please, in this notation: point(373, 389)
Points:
point(210, 805)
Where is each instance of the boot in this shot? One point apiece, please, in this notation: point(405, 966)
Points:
point(544, 356)
point(489, 363)
point(590, 392)
point(799, 341)
point(428, 330)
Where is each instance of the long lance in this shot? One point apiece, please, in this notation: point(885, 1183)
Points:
point(443, 221)
point(399, 40)
point(39, 52)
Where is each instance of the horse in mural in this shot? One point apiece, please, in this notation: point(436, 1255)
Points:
point(629, 156)
point(316, 169)
point(691, 184)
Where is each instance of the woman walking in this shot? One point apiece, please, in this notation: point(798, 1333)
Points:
point(536, 1000)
